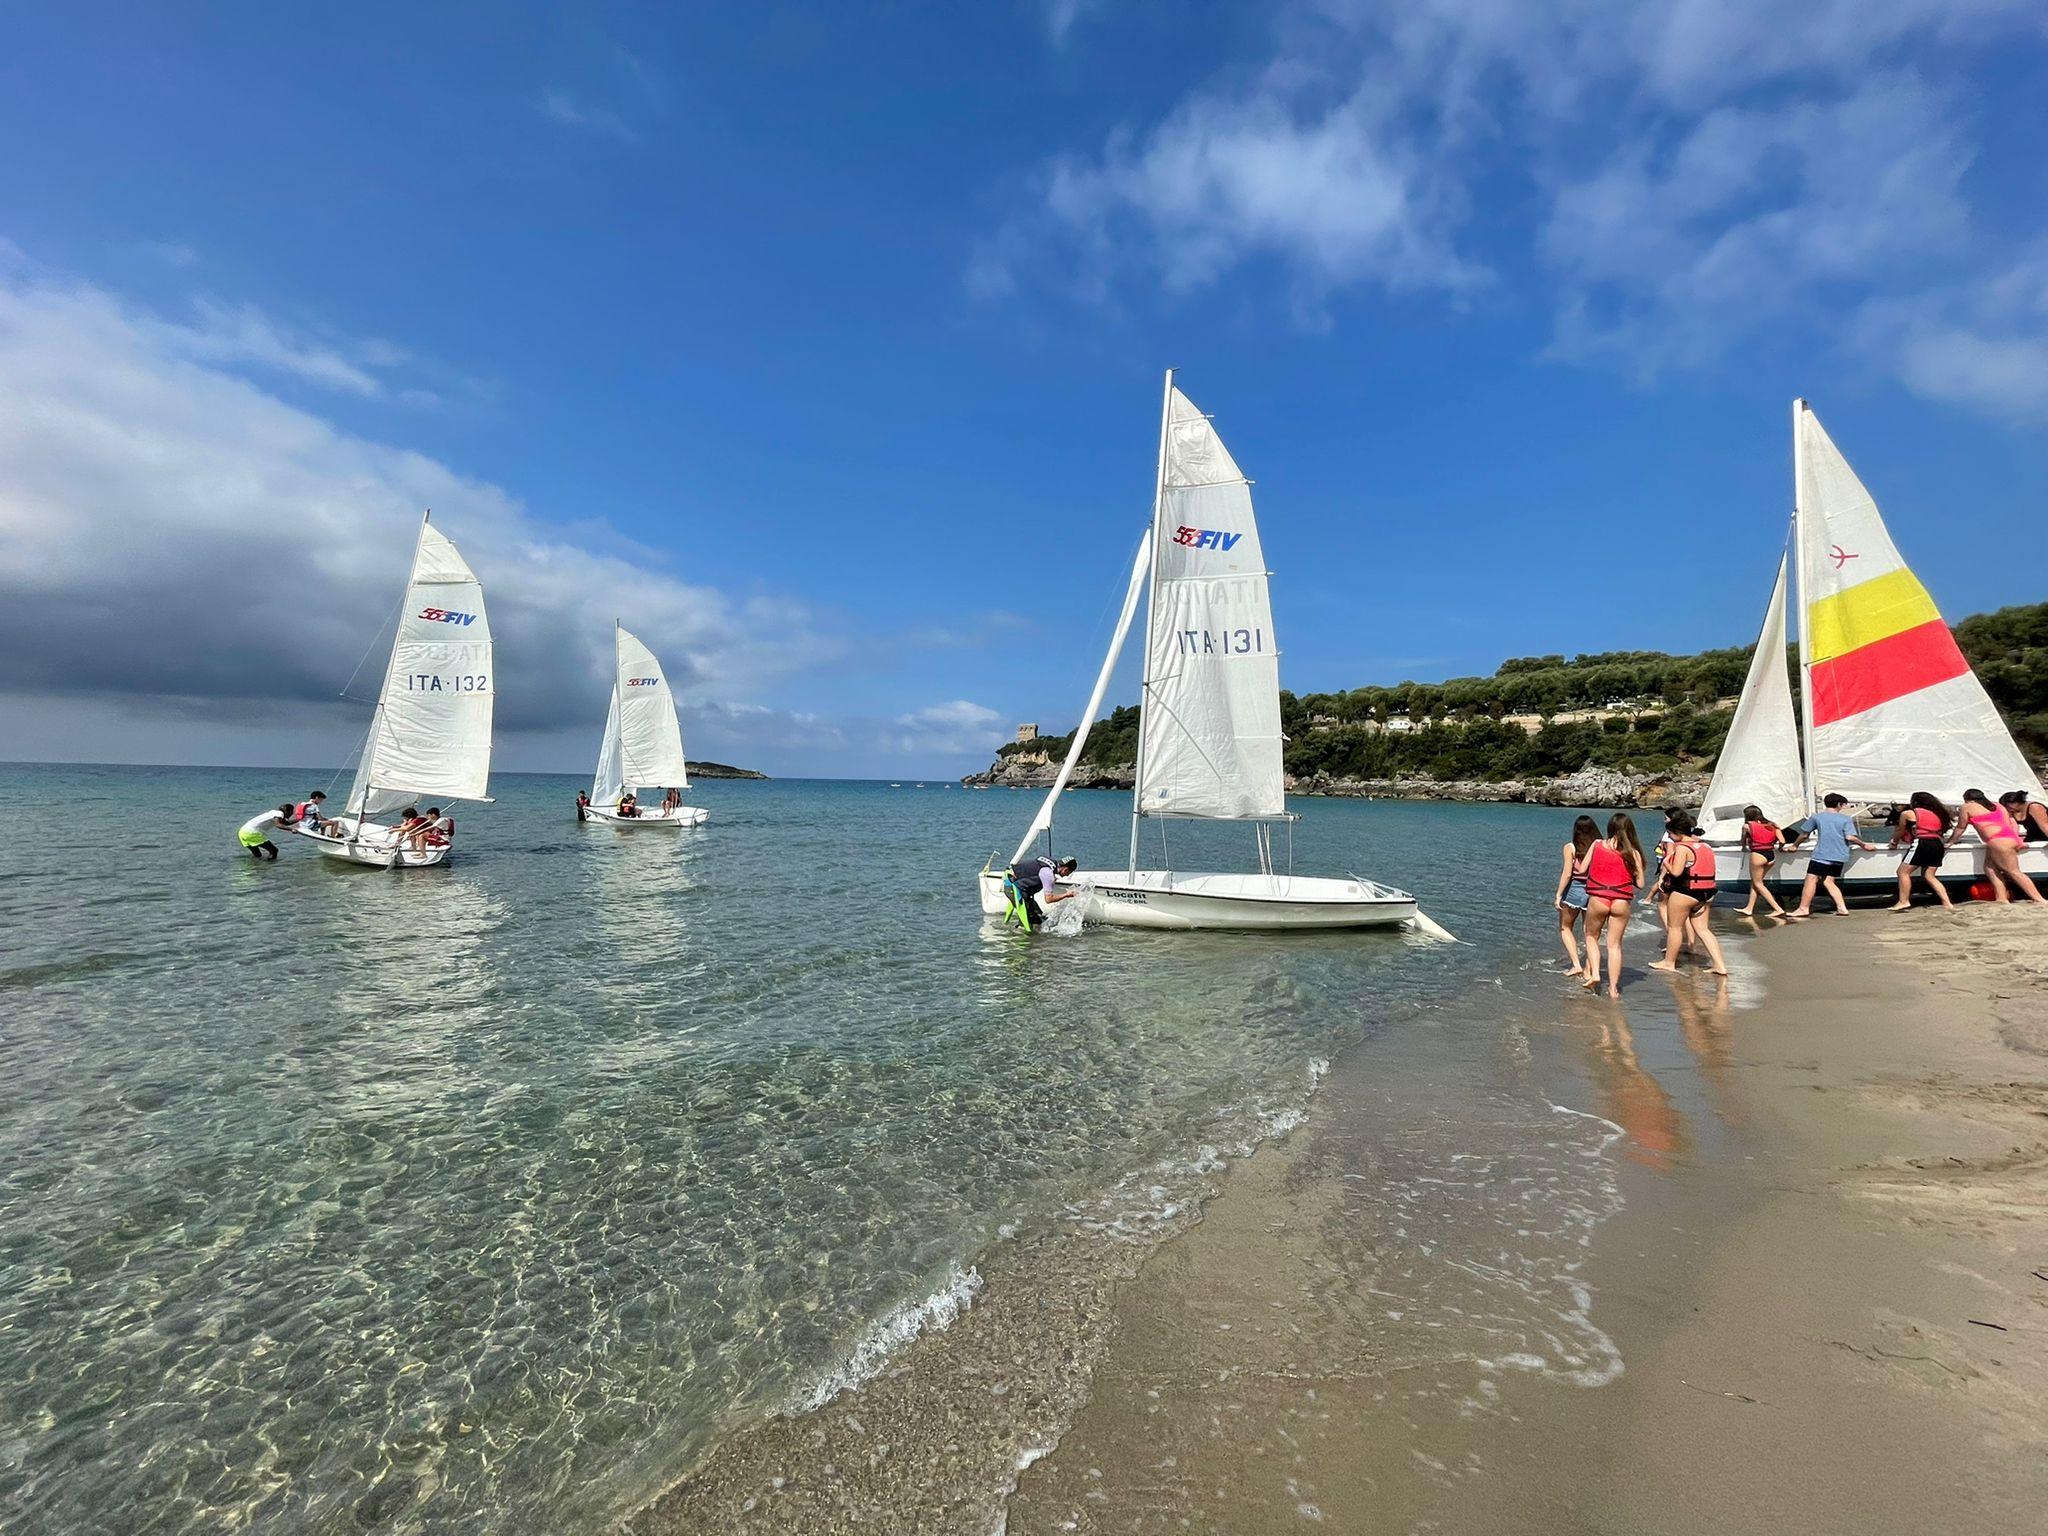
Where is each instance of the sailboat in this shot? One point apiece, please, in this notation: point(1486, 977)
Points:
point(430, 738)
point(643, 742)
point(1209, 742)
point(1891, 706)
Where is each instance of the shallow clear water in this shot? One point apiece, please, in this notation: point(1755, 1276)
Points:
point(485, 1198)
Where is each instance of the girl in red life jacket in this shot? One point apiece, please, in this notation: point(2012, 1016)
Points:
point(1689, 877)
point(1922, 825)
point(1761, 841)
point(1614, 873)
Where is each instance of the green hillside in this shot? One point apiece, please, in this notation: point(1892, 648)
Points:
point(1656, 712)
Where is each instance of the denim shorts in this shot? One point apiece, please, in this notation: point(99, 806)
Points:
point(1575, 896)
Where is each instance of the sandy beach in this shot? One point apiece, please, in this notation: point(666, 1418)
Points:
point(1783, 1265)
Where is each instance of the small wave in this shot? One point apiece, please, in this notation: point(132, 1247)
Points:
point(893, 1331)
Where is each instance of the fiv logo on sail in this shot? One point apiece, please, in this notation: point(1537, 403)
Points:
point(447, 616)
point(1205, 538)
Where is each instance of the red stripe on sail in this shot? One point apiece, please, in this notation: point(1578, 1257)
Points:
point(1884, 670)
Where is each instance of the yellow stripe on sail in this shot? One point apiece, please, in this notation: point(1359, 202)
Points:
point(1869, 611)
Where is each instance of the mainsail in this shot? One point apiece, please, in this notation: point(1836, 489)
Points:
point(1894, 707)
point(643, 741)
point(1209, 738)
point(431, 736)
point(1759, 760)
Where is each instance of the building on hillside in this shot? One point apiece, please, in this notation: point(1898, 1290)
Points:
point(1027, 732)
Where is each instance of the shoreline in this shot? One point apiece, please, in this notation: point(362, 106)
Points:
point(1590, 787)
point(1819, 1283)
point(1746, 1237)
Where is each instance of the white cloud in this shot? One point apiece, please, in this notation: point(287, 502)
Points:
point(558, 106)
point(1060, 17)
point(1677, 175)
point(244, 335)
point(173, 534)
point(947, 729)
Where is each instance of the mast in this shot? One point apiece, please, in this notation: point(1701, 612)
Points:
point(618, 741)
point(1799, 569)
point(1151, 609)
point(368, 759)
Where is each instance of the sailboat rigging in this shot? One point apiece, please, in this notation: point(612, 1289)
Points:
point(642, 744)
point(1888, 703)
point(430, 735)
point(1209, 739)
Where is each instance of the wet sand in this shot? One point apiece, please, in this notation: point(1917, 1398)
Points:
point(1718, 1259)
point(1827, 1284)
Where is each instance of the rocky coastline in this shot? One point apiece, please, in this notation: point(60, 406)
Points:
point(1588, 787)
point(721, 771)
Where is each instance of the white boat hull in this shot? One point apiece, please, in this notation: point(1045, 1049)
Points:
point(1243, 903)
point(375, 845)
point(681, 816)
point(1867, 874)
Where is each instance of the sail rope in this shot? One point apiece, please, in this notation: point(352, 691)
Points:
point(390, 623)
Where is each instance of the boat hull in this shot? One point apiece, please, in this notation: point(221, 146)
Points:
point(682, 816)
point(375, 847)
point(1240, 903)
point(1871, 874)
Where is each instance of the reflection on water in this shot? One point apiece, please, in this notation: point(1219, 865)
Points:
point(1631, 1097)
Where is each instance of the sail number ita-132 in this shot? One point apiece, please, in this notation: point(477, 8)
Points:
point(461, 682)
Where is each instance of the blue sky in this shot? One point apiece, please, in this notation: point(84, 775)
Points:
point(823, 342)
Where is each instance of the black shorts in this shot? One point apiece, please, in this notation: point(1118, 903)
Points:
point(1826, 869)
point(1927, 853)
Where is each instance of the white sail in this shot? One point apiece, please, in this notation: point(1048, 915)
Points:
point(431, 738)
point(609, 782)
point(1894, 706)
point(1043, 819)
point(1210, 743)
point(1759, 762)
point(650, 737)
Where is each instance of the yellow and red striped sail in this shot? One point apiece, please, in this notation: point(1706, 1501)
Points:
point(1895, 707)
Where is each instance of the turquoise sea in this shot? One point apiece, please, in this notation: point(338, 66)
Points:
point(488, 1199)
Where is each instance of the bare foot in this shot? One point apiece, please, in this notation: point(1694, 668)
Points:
point(1660, 965)
point(1717, 971)
point(1591, 983)
point(1577, 970)
point(1900, 906)
point(1615, 991)
point(1745, 911)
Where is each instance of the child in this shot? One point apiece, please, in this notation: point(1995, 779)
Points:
point(1923, 824)
point(1614, 872)
point(1571, 897)
point(1689, 880)
point(1760, 843)
point(1834, 834)
point(255, 833)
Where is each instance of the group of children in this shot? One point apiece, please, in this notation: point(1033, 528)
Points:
point(1600, 877)
point(1923, 827)
point(415, 830)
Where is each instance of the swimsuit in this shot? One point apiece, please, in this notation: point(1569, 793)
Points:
point(2002, 828)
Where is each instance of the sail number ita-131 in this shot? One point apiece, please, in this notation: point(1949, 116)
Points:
point(1221, 642)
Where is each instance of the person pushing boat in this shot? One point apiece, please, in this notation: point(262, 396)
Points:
point(1032, 888)
point(255, 833)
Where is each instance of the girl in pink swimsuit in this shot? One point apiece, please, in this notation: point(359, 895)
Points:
point(2002, 843)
